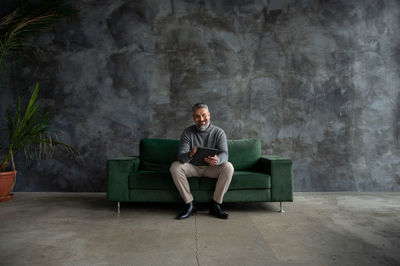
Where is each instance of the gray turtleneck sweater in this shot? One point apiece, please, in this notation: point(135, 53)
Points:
point(212, 137)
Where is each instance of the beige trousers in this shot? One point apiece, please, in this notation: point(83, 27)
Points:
point(181, 171)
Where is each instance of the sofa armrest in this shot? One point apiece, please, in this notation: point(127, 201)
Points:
point(118, 171)
point(280, 170)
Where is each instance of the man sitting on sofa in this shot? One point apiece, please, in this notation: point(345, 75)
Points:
point(202, 134)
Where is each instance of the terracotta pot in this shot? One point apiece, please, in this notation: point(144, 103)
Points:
point(7, 180)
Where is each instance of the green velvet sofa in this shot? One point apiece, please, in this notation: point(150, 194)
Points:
point(146, 178)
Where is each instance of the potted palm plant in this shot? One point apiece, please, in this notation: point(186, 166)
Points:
point(28, 128)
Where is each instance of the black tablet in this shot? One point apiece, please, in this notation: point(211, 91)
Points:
point(202, 153)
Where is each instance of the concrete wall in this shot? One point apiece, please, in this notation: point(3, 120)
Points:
point(316, 81)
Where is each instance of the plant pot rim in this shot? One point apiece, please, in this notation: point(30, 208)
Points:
point(8, 172)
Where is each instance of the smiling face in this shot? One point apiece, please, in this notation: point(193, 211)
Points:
point(201, 118)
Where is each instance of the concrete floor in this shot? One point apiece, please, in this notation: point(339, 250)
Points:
point(316, 229)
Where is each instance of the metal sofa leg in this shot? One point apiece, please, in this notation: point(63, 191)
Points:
point(118, 206)
point(281, 210)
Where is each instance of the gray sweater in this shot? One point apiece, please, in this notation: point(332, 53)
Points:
point(212, 137)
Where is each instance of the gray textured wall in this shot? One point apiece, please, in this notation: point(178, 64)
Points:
point(316, 81)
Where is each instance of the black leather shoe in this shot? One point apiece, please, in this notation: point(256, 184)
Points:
point(215, 209)
point(189, 210)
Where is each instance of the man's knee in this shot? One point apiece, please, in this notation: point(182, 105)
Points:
point(228, 168)
point(175, 167)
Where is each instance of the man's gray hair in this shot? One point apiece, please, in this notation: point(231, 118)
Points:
point(199, 105)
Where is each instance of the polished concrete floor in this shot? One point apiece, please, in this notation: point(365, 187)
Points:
point(85, 229)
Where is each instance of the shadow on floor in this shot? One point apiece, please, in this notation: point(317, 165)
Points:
point(81, 201)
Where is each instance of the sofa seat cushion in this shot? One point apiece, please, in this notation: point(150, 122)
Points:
point(240, 180)
point(158, 180)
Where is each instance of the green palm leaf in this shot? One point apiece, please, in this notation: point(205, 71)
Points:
point(30, 131)
point(19, 25)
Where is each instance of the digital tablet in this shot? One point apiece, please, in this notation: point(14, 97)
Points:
point(202, 153)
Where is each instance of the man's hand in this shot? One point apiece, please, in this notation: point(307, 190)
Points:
point(193, 152)
point(211, 160)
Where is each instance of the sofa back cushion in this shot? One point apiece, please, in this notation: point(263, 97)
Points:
point(244, 153)
point(157, 154)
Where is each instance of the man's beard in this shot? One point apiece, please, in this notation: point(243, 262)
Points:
point(204, 127)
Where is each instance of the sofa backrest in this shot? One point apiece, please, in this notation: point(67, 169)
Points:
point(158, 154)
point(244, 153)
